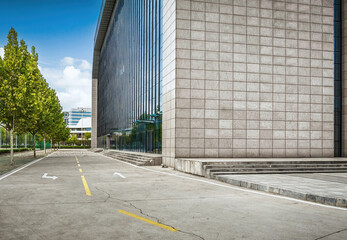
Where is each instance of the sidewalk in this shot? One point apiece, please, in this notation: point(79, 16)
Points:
point(325, 188)
point(20, 159)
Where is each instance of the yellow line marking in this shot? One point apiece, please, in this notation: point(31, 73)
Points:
point(79, 165)
point(77, 159)
point(88, 193)
point(80, 170)
point(148, 221)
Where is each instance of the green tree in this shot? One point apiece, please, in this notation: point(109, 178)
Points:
point(73, 139)
point(35, 94)
point(27, 103)
point(3, 135)
point(12, 76)
point(87, 136)
point(51, 115)
point(61, 133)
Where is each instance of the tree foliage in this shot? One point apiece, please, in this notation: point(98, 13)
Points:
point(73, 139)
point(27, 103)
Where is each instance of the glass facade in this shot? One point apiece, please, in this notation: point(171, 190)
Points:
point(337, 77)
point(129, 80)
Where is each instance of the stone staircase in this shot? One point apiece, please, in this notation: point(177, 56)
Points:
point(136, 158)
point(213, 169)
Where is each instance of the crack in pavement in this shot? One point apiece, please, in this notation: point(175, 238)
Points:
point(331, 234)
point(145, 214)
point(108, 195)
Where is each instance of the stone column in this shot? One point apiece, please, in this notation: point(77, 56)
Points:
point(108, 141)
point(94, 136)
point(169, 82)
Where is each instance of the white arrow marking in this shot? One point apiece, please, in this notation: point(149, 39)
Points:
point(45, 176)
point(115, 173)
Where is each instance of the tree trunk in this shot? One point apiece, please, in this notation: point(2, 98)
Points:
point(34, 136)
point(11, 143)
point(44, 144)
point(51, 144)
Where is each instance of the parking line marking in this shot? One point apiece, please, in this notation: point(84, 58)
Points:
point(80, 170)
point(149, 221)
point(116, 173)
point(86, 188)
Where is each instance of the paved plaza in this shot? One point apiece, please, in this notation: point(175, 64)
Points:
point(325, 188)
point(83, 195)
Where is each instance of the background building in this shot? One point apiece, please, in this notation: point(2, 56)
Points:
point(256, 78)
point(84, 125)
point(79, 121)
point(74, 116)
point(128, 69)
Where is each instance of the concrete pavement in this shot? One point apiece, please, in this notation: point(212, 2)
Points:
point(126, 201)
point(324, 188)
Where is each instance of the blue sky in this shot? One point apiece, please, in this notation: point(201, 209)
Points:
point(63, 33)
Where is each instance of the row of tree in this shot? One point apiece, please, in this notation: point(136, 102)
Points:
point(27, 103)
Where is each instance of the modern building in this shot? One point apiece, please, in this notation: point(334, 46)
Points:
point(73, 117)
point(83, 126)
point(127, 76)
point(221, 78)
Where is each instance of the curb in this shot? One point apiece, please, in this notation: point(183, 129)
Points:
point(337, 202)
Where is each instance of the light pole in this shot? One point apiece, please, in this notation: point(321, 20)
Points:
point(82, 111)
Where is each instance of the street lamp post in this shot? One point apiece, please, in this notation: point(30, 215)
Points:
point(82, 111)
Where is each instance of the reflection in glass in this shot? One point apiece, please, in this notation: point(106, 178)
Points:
point(129, 81)
point(337, 77)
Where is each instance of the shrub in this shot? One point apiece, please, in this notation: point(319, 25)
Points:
point(2, 151)
point(72, 147)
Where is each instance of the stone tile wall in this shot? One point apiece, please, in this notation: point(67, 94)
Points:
point(253, 79)
point(94, 136)
point(169, 76)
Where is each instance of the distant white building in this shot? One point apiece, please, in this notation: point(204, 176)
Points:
point(73, 116)
point(84, 125)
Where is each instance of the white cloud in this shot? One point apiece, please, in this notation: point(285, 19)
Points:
point(68, 61)
point(2, 52)
point(72, 82)
point(85, 65)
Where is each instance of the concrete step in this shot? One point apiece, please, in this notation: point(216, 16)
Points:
point(272, 167)
point(286, 171)
point(132, 157)
point(140, 159)
point(131, 161)
point(199, 166)
point(256, 170)
point(256, 163)
point(206, 167)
